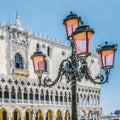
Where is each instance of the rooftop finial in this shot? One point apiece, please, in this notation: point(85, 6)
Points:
point(17, 15)
point(10, 20)
point(18, 20)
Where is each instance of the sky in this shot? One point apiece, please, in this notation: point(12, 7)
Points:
point(46, 17)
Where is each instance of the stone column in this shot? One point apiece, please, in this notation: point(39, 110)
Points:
point(9, 114)
point(16, 97)
point(33, 114)
point(3, 96)
point(86, 116)
point(54, 115)
point(22, 115)
point(44, 114)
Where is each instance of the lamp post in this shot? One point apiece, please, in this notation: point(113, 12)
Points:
point(75, 67)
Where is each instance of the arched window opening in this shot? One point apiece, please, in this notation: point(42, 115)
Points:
point(47, 95)
point(6, 93)
point(59, 115)
point(51, 96)
point(0, 92)
point(67, 115)
point(36, 95)
point(56, 97)
point(31, 95)
point(27, 115)
point(13, 96)
point(25, 94)
point(39, 115)
point(45, 66)
point(69, 97)
point(82, 115)
point(4, 115)
point(19, 61)
point(19, 94)
point(81, 99)
point(48, 51)
point(42, 95)
point(49, 115)
point(61, 97)
point(90, 115)
point(65, 97)
point(88, 99)
point(15, 115)
point(37, 47)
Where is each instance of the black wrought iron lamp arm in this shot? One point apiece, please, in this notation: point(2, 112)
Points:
point(47, 82)
point(99, 79)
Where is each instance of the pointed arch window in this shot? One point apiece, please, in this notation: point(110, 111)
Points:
point(27, 115)
point(56, 96)
point(47, 95)
point(37, 47)
point(19, 94)
point(13, 96)
point(61, 97)
point(48, 51)
point(18, 61)
point(42, 95)
point(45, 66)
point(15, 115)
point(36, 95)
point(6, 93)
point(4, 115)
point(25, 94)
point(31, 95)
point(0, 92)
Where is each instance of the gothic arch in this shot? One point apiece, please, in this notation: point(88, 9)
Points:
point(3, 114)
point(28, 114)
point(39, 114)
point(58, 115)
point(25, 94)
point(82, 115)
point(6, 92)
point(90, 115)
point(49, 115)
point(46, 65)
point(16, 115)
point(13, 93)
point(49, 51)
point(19, 61)
point(1, 95)
point(67, 115)
point(19, 93)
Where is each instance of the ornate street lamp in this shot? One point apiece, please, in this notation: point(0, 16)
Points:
point(75, 67)
point(38, 59)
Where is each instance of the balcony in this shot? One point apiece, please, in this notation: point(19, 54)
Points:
point(20, 73)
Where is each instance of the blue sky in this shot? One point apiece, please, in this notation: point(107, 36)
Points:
point(46, 16)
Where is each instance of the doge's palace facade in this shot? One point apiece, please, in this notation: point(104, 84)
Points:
point(20, 96)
